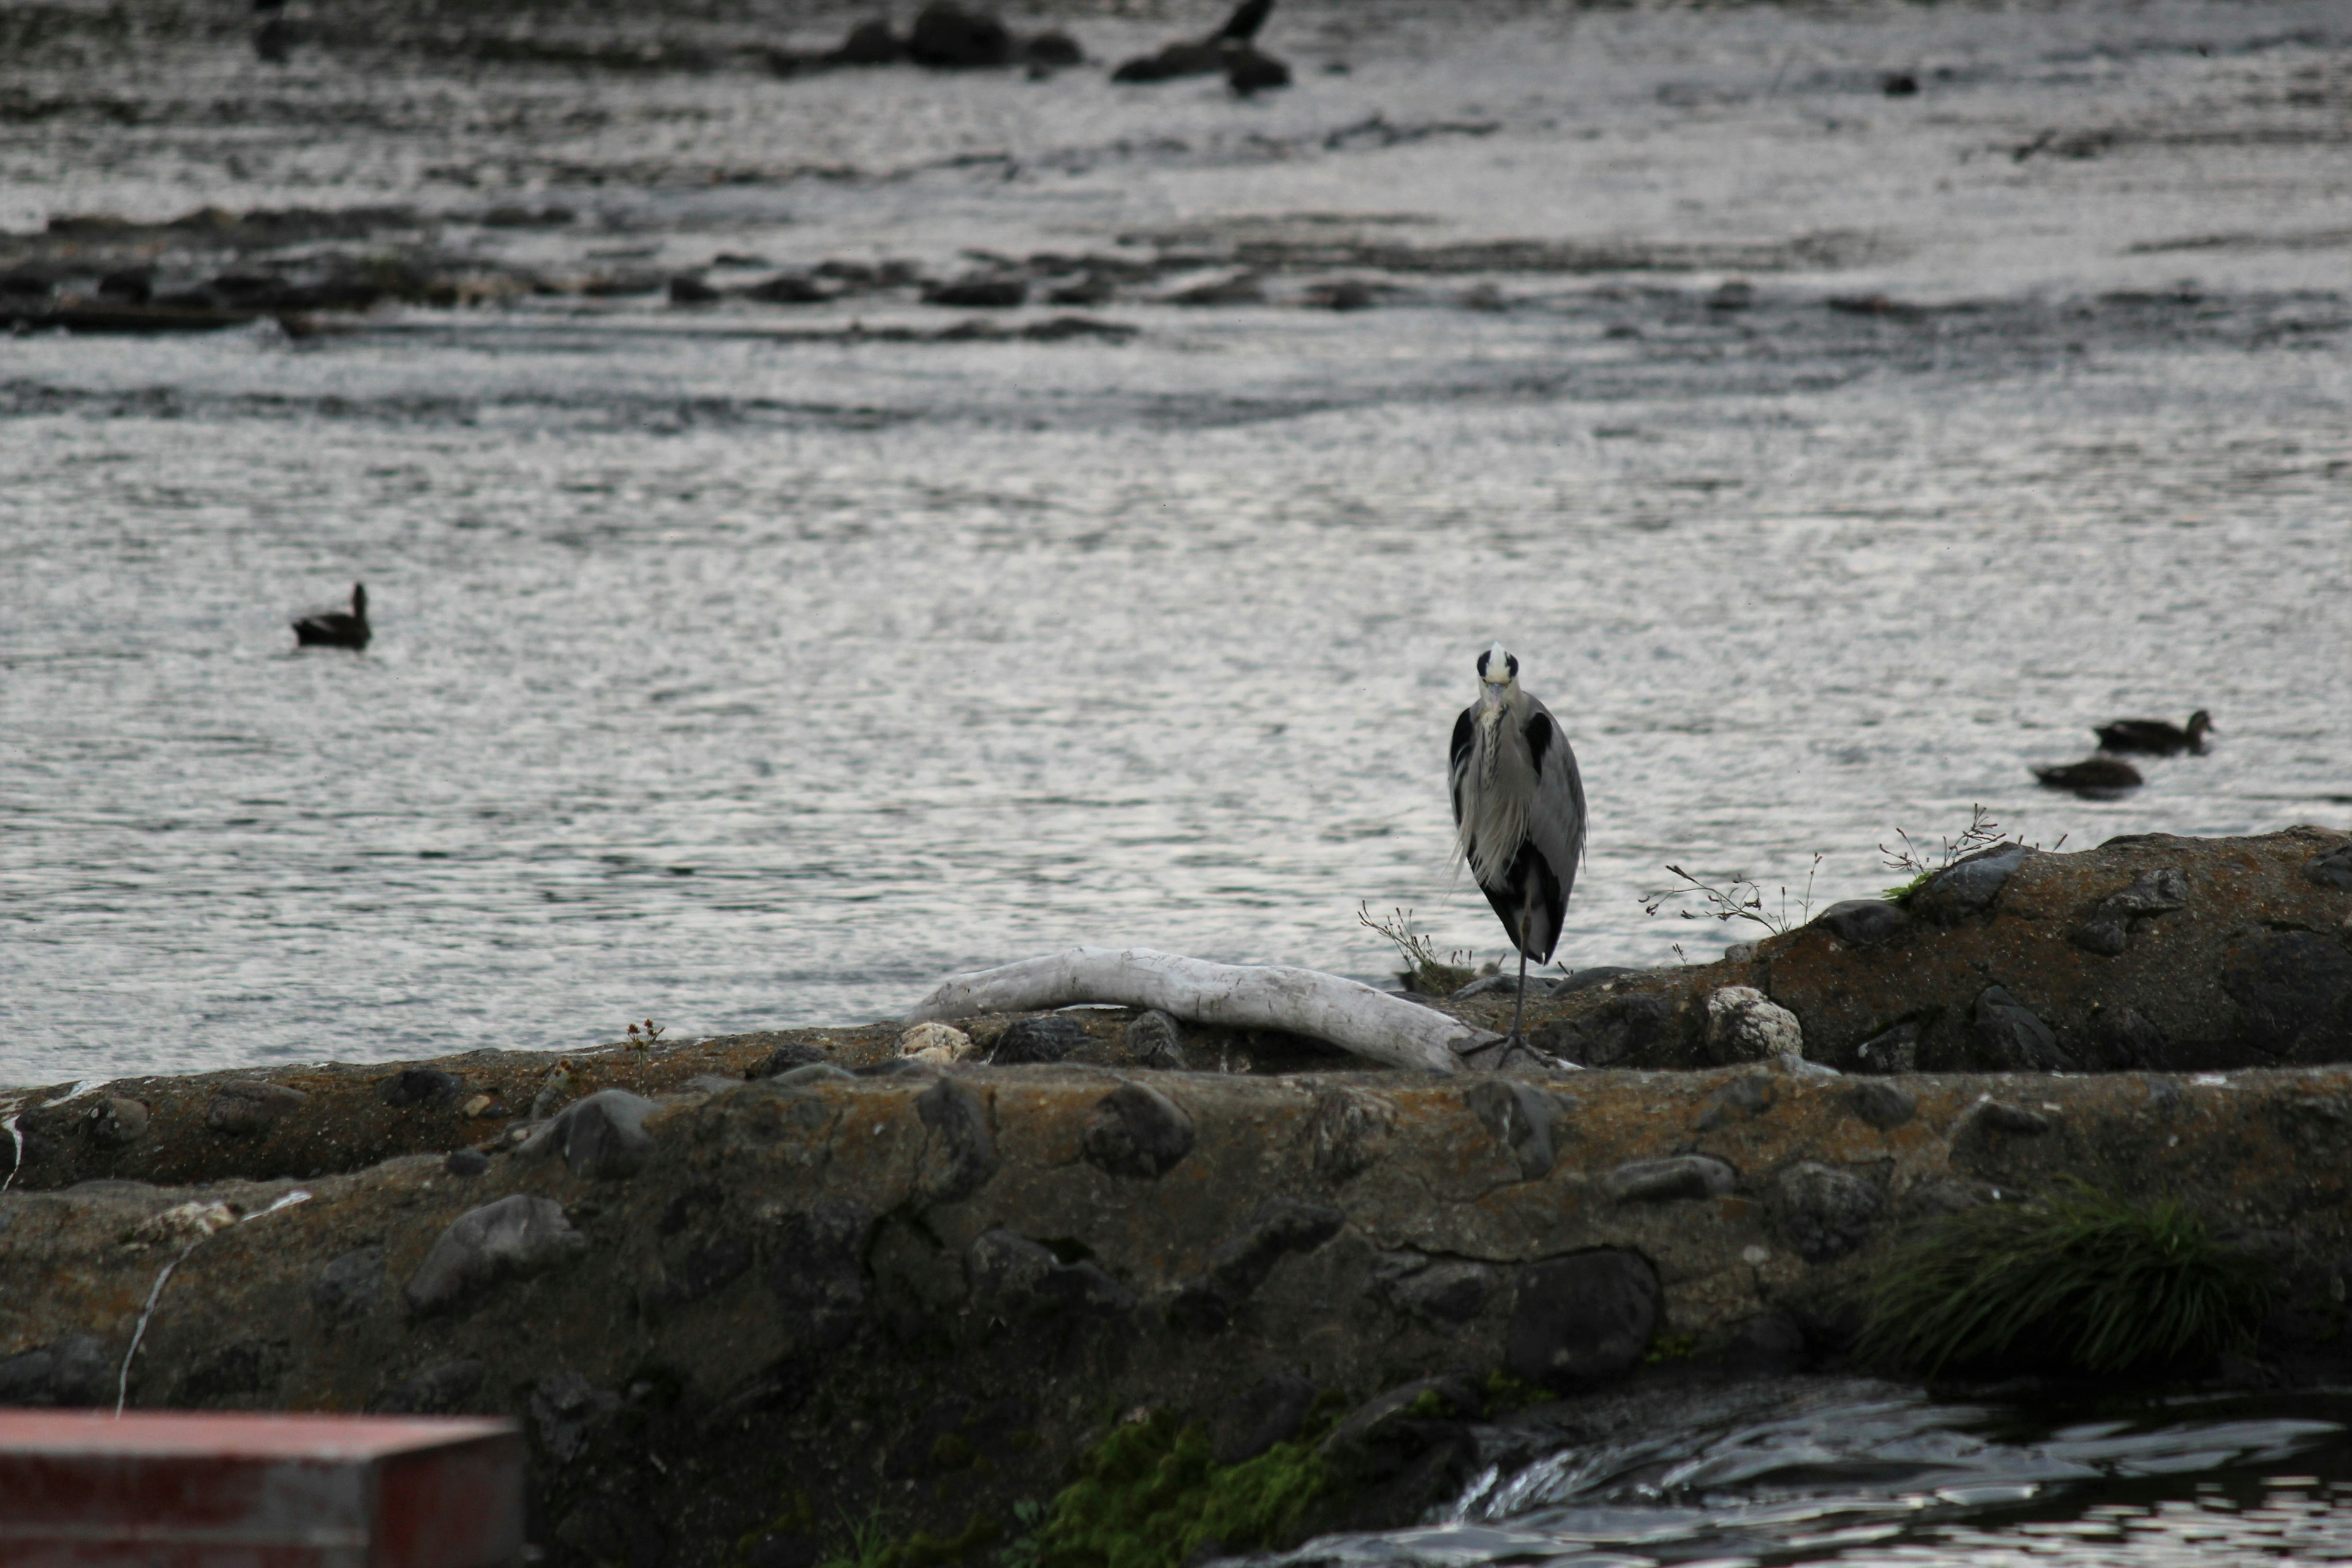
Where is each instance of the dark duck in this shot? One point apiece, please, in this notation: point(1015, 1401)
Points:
point(334, 628)
point(2155, 736)
point(2096, 778)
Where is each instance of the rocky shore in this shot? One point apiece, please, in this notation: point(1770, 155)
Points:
point(741, 1289)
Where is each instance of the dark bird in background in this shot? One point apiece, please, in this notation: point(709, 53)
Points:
point(2156, 736)
point(1518, 811)
point(2094, 778)
point(334, 628)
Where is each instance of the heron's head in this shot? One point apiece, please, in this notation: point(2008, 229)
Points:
point(1498, 674)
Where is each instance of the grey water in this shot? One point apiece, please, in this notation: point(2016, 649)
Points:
point(739, 679)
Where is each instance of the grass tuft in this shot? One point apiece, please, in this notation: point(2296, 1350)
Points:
point(1150, 1495)
point(2075, 1280)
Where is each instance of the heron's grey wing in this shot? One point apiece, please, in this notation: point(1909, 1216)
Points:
point(1556, 818)
point(1458, 766)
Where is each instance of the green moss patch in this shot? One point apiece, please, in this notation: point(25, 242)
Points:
point(1149, 1494)
point(2075, 1280)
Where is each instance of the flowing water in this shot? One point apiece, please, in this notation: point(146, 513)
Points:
point(737, 670)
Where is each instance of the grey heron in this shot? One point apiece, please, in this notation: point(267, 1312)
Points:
point(1518, 811)
point(336, 630)
point(2156, 735)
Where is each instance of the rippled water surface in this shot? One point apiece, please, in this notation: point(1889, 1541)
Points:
point(1865, 1475)
point(740, 679)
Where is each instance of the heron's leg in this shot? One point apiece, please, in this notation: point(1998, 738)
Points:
point(1520, 1008)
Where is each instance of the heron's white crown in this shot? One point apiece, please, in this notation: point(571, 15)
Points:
point(1498, 666)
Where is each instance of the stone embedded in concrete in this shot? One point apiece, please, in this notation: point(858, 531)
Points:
point(2009, 1033)
point(1236, 1269)
point(1520, 1117)
point(2101, 934)
point(1445, 1294)
point(812, 1072)
point(1381, 1439)
point(116, 1121)
point(2291, 987)
point(1624, 1027)
point(2332, 870)
point(1346, 1133)
point(1136, 1131)
point(439, 1390)
point(1676, 1178)
point(2125, 1039)
point(1581, 1319)
point(1014, 1277)
point(234, 1372)
point(1864, 922)
point(466, 1163)
point(1768, 1344)
point(1895, 1051)
point(73, 1370)
point(514, 1237)
point(1045, 1039)
point(602, 1137)
point(567, 1412)
point(786, 1057)
point(2108, 930)
point(1269, 1410)
point(1826, 1212)
point(703, 1270)
point(2000, 1116)
point(1969, 886)
point(1885, 1106)
point(420, 1086)
point(1744, 1098)
point(1744, 1026)
point(958, 1153)
point(351, 1287)
point(1155, 1041)
point(816, 1266)
point(243, 1107)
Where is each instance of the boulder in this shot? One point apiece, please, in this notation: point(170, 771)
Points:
point(1137, 1132)
point(602, 1137)
point(514, 1237)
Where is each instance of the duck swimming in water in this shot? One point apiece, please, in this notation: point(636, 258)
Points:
point(334, 628)
point(2095, 778)
point(2154, 735)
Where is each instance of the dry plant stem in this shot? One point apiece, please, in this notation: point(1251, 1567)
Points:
point(1340, 1012)
point(1742, 900)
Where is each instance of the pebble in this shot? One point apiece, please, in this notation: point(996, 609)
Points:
point(1676, 1178)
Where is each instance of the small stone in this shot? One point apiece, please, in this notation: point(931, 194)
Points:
point(1743, 1026)
point(514, 1237)
point(1883, 1105)
point(1895, 1051)
point(1864, 922)
point(1826, 1212)
point(184, 1223)
point(785, 1057)
point(1346, 1133)
point(436, 1391)
point(1520, 1118)
point(1155, 1041)
point(939, 1044)
point(602, 1137)
point(466, 1163)
point(1622, 1028)
point(1679, 1177)
point(1447, 1294)
point(2012, 1037)
point(2002, 1117)
point(2105, 936)
point(2332, 870)
point(115, 1121)
point(478, 1106)
point(1136, 1131)
point(419, 1085)
point(244, 1106)
point(1581, 1319)
point(1969, 885)
point(1739, 953)
point(351, 1287)
point(1269, 1411)
point(1045, 1039)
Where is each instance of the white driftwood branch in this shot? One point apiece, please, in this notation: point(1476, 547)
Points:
point(1343, 1013)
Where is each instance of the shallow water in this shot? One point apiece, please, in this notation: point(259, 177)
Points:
point(1864, 1474)
point(739, 681)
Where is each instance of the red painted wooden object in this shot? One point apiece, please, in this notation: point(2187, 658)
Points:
point(204, 1489)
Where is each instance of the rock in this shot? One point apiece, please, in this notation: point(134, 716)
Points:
point(1347, 1133)
point(817, 1269)
point(73, 1370)
point(1742, 1026)
point(1895, 1051)
point(1864, 922)
point(1883, 1105)
point(686, 288)
point(788, 289)
point(2015, 1119)
point(1136, 1131)
point(1795, 1066)
point(436, 1391)
point(1520, 1117)
point(786, 1057)
point(1622, 1029)
point(938, 1044)
point(351, 1287)
point(1012, 1277)
point(514, 1237)
point(567, 1412)
point(115, 1121)
point(1270, 1411)
point(420, 1086)
point(1676, 1178)
point(1969, 885)
point(2152, 893)
point(2101, 935)
point(948, 38)
point(870, 43)
point(1044, 1040)
point(2125, 1039)
point(1748, 1096)
point(703, 1271)
point(979, 293)
point(959, 1155)
point(1154, 1041)
point(2332, 870)
point(184, 1224)
point(1443, 1294)
point(2290, 986)
point(1249, 71)
point(1826, 1212)
point(2008, 1034)
point(1581, 1319)
point(1238, 1266)
point(602, 1137)
point(1769, 1345)
point(243, 1107)
point(1381, 1439)
point(814, 1072)
point(466, 1163)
